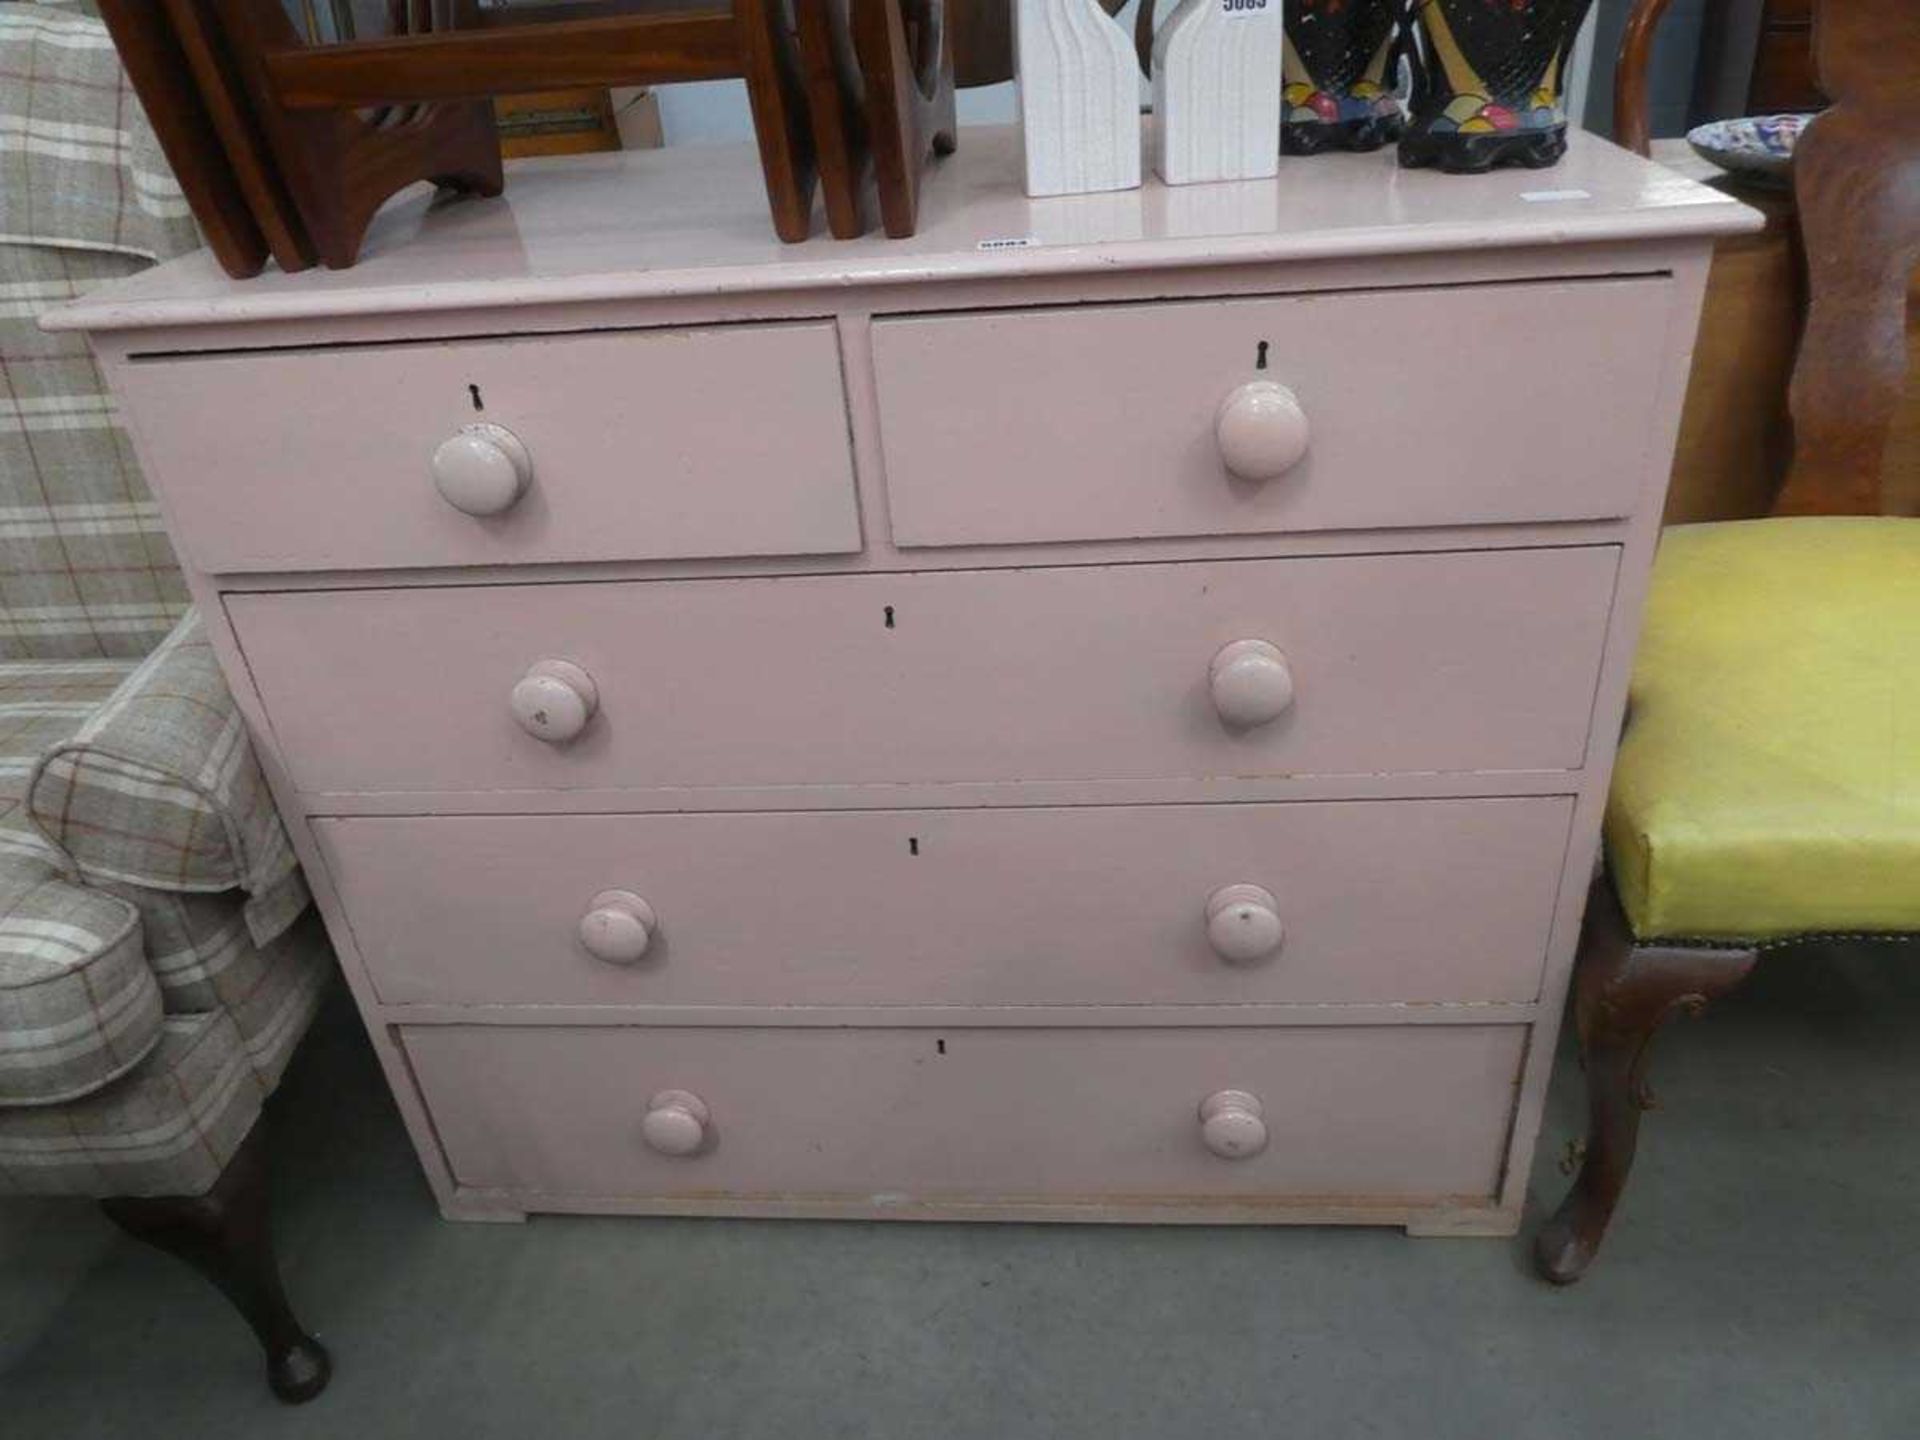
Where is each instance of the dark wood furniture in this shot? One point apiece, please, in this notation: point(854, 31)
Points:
point(983, 39)
point(879, 83)
point(1783, 72)
point(247, 149)
point(1756, 58)
point(225, 1235)
point(288, 146)
point(557, 122)
point(1781, 79)
point(158, 67)
point(262, 180)
point(1632, 124)
point(341, 166)
point(1857, 174)
point(905, 50)
point(1736, 439)
point(308, 91)
point(837, 107)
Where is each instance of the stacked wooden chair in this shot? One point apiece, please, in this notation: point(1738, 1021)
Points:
point(267, 178)
point(879, 83)
point(287, 143)
point(1767, 794)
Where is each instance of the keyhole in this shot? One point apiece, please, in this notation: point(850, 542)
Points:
point(913, 845)
point(1260, 357)
point(889, 616)
point(473, 392)
point(940, 1047)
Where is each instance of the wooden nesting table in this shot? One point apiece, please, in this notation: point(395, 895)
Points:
point(1100, 710)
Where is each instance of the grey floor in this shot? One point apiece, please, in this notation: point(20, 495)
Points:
point(1763, 1280)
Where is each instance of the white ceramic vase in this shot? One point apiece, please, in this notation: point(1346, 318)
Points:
point(1216, 91)
point(1079, 98)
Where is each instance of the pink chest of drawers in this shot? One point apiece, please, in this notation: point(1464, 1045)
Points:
point(1099, 711)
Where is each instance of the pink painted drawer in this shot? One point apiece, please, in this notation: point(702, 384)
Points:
point(1386, 1114)
point(1465, 661)
point(1406, 901)
point(644, 444)
point(1423, 406)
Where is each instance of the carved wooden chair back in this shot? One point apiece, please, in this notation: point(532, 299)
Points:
point(1857, 190)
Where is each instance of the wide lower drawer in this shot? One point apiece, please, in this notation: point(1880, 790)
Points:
point(1411, 1113)
point(1424, 407)
point(1415, 901)
point(1443, 662)
point(641, 444)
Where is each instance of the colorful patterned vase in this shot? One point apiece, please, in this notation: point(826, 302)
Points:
point(1340, 70)
point(1488, 90)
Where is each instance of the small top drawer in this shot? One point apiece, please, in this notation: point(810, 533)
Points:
point(1443, 406)
point(645, 444)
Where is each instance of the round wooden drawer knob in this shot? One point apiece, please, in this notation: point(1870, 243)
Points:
point(1243, 923)
point(677, 1123)
point(482, 469)
point(554, 701)
point(1251, 683)
point(1261, 429)
point(618, 927)
point(1231, 1126)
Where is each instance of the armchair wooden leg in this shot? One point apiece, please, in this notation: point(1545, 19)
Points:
point(224, 1234)
point(1623, 993)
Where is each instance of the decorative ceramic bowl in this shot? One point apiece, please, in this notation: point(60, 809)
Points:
point(1757, 147)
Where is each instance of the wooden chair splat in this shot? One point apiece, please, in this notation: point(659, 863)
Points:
point(1857, 182)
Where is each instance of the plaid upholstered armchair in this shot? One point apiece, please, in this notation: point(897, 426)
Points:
point(158, 957)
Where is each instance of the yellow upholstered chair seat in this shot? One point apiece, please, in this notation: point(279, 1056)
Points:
point(1769, 782)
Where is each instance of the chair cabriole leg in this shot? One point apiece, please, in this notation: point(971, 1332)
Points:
point(225, 1235)
point(1623, 993)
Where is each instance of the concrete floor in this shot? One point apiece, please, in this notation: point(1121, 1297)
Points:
point(1762, 1281)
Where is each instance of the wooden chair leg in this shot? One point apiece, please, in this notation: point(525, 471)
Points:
point(1623, 993)
point(224, 1234)
point(776, 96)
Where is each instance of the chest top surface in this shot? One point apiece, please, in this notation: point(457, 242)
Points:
point(690, 221)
